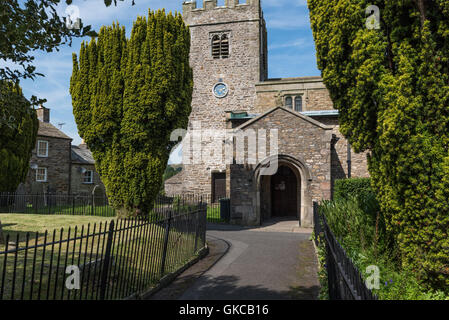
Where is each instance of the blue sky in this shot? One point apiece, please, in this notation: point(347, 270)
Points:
point(291, 49)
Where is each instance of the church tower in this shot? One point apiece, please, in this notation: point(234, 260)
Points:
point(229, 57)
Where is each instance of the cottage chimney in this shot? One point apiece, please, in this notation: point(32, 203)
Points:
point(83, 144)
point(43, 114)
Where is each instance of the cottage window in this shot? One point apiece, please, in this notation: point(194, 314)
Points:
point(42, 148)
point(298, 103)
point(41, 174)
point(88, 177)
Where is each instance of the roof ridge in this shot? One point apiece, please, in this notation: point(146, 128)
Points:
point(295, 113)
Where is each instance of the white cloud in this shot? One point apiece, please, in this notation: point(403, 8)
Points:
point(300, 42)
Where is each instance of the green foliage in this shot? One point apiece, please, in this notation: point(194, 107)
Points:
point(128, 96)
point(391, 86)
point(366, 243)
point(18, 132)
point(354, 187)
point(322, 272)
point(2, 237)
point(356, 223)
point(33, 25)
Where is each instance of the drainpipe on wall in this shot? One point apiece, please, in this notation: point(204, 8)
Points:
point(349, 160)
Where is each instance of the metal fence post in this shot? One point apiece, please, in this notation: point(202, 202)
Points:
point(164, 252)
point(92, 206)
point(106, 263)
point(197, 228)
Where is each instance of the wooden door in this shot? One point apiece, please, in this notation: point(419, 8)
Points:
point(284, 195)
point(218, 186)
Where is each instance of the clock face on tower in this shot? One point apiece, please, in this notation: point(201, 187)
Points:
point(220, 90)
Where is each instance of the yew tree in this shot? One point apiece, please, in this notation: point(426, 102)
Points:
point(128, 95)
point(18, 130)
point(390, 84)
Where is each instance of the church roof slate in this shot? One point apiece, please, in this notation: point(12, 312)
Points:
point(292, 112)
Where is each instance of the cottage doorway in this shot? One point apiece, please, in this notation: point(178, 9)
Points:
point(284, 193)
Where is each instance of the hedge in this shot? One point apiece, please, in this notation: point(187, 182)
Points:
point(354, 187)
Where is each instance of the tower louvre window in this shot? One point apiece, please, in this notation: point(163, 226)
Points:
point(220, 45)
point(216, 47)
point(224, 46)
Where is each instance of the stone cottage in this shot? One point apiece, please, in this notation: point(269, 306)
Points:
point(289, 132)
point(84, 177)
point(50, 160)
point(56, 166)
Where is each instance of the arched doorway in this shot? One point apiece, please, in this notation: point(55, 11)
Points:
point(284, 193)
point(263, 185)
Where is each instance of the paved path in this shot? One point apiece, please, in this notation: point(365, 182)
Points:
point(276, 261)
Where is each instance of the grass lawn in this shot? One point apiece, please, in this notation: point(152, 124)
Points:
point(136, 257)
point(213, 213)
point(14, 223)
point(74, 210)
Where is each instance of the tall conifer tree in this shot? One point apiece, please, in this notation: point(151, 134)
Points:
point(18, 130)
point(128, 96)
point(391, 86)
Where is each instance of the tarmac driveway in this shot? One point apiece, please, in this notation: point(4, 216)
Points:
point(264, 263)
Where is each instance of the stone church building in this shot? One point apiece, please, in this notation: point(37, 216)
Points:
point(232, 91)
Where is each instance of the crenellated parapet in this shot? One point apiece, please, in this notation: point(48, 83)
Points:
point(232, 10)
point(191, 6)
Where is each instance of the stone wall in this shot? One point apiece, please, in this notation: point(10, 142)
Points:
point(57, 164)
point(77, 184)
point(240, 71)
point(272, 92)
point(359, 166)
point(173, 189)
point(250, 90)
point(301, 138)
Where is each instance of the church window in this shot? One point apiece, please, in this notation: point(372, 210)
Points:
point(220, 45)
point(224, 48)
point(298, 103)
point(288, 102)
point(216, 47)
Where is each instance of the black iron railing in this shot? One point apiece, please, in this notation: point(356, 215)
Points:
point(113, 260)
point(217, 211)
point(345, 281)
point(90, 205)
point(63, 204)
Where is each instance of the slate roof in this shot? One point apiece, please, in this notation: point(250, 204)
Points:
point(288, 110)
point(177, 178)
point(81, 154)
point(48, 130)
